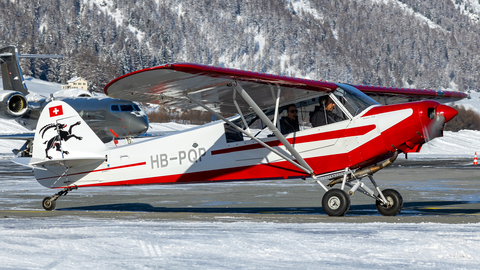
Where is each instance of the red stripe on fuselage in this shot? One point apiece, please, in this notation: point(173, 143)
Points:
point(277, 170)
point(282, 169)
point(357, 131)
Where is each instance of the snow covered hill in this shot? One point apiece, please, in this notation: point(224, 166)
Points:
point(397, 43)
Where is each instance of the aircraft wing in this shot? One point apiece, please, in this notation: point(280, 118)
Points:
point(390, 95)
point(169, 84)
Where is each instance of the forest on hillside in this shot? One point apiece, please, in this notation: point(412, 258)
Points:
point(399, 43)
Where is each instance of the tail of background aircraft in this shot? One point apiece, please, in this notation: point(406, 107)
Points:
point(12, 76)
point(13, 103)
point(62, 135)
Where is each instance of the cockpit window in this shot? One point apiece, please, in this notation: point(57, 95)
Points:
point(125, 108)
point(328, 108)
point(353, 99)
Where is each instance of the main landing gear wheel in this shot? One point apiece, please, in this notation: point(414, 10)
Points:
point(336, 202)
point(395, 203)
point(49, 203)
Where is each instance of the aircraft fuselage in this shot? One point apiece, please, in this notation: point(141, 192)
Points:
point(202, 154)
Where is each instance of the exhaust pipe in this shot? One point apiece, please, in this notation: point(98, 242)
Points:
point(366, 171)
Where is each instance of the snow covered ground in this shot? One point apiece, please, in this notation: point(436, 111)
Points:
point(81, 243)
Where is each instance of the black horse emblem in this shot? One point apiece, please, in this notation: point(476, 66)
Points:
point(62, 135)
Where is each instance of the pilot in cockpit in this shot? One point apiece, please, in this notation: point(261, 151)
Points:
point(323, 114)
point(289, 123)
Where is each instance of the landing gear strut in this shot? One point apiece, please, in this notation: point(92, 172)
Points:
point(336, 202)
point(49, 203)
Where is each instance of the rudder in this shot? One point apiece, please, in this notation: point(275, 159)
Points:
point(62, 133)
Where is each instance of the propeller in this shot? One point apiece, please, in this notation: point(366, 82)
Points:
point(440, 115)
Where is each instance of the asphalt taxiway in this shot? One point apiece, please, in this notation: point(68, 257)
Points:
point(436, 190)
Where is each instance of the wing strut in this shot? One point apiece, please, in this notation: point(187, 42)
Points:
point(247, 128)
point(306, 169)
point(277, 102)
point(272, 127)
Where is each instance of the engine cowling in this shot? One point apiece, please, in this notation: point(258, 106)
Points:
point(13, 104)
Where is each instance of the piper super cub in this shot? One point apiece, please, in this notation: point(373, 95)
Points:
point(349, 141)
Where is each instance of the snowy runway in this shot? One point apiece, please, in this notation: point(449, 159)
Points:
point(82, 243)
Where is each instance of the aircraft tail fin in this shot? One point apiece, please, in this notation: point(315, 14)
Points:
point(62, 135)
point(12, 76)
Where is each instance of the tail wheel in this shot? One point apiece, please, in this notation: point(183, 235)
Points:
point(336, 202)
point(49, 204)
point(395, 203)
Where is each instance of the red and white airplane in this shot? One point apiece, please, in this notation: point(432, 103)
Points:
point(364, 138)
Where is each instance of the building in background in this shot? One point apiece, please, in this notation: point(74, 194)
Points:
point(76, 82)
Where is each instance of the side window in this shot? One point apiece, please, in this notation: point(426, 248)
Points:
point(339, 113)
point(232, 135)
point(114, 108)
point(294, 117)
point(255, 124)
point(326, 112)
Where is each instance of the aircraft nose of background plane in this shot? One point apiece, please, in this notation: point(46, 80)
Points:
point(143, 125)
point(448, 112)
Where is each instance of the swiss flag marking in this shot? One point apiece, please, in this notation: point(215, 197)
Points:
point(55, 111)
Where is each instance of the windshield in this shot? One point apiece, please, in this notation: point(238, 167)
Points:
point(353, 99)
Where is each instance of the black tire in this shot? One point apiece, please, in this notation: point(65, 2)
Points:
point(336, 202)
point(48, 204)
point(395, 200)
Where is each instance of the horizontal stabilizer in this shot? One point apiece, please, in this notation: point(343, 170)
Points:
point(39, 56)
point(65, 162)
point(18, 136)
point(24, 161)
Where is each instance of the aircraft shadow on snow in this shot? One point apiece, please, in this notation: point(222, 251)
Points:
point(409, 209)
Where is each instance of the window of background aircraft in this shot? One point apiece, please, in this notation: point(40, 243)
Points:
point(124, 108)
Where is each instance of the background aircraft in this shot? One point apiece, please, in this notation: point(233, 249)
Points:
point(365, 138)
point(109, 118)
